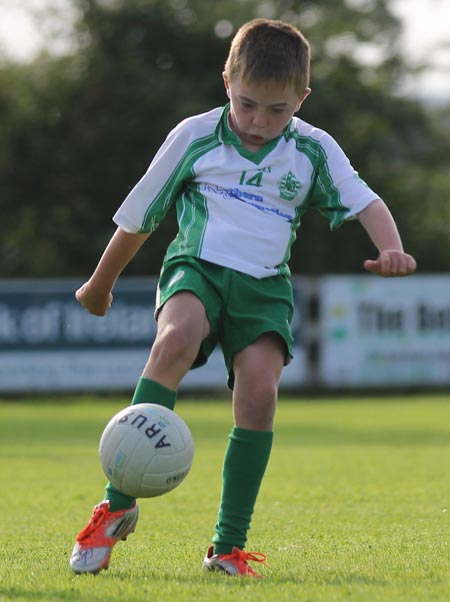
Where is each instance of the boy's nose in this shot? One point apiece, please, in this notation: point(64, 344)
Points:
point(259, 119)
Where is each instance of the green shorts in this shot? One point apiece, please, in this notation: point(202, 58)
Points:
point(239, 307)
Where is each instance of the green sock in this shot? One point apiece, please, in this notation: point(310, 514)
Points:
point(147, 391)
point(245, 462)
point(117, 499)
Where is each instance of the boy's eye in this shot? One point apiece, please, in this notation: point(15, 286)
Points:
point(248, 106)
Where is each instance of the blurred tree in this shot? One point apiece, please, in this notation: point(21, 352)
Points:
point(79, 131)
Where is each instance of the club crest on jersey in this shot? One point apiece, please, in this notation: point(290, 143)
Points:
point(288, 185)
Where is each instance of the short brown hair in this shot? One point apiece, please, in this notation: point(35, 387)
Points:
point(267, 50)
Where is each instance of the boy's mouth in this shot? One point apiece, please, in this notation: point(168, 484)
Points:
point(255, 139)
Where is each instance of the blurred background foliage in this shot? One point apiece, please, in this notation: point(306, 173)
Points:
point(79, 130)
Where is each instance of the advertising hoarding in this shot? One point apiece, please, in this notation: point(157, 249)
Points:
point(48, 342)
point(384, 332)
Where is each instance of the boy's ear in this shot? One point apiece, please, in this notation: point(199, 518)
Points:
point(226, 83)
point(306, 93)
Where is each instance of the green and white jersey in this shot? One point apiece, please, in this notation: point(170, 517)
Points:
point(237, 208)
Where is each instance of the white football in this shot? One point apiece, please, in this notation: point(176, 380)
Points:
point(146, 450)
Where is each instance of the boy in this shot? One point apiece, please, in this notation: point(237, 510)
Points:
point(241, 177)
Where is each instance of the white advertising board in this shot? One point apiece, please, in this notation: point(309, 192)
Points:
point(384, 332)
point(48, 342)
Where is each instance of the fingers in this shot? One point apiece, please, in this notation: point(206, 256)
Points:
point(391, 264)
point(96, 303)
point(79, 294)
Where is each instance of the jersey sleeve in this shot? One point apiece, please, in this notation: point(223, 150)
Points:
point(148, 202)
point(338, 192)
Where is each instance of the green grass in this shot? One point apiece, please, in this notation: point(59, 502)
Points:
point(353, 507)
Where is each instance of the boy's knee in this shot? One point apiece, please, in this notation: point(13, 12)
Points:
point(264, 392)
point(255, 405)
point(174, 342)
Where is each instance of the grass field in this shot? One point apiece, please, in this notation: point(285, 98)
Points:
point(355, 505)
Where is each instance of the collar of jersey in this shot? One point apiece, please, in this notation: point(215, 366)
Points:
point(228, 136)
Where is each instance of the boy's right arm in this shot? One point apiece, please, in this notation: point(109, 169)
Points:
point(95, 294)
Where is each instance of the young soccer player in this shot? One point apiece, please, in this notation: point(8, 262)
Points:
point(241, 177)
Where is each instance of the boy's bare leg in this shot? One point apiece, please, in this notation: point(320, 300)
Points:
point(182, 326)
point(257, 371)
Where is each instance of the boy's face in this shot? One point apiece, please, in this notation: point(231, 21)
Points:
point(260, 112)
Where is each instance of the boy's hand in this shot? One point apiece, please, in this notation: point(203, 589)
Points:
point(391, 263)
point(95, 301)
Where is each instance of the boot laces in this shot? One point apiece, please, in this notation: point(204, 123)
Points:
point(253, 556)
point(95, 521)
point(244, 556)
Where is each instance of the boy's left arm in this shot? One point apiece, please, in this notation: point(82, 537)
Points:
point(382, 229)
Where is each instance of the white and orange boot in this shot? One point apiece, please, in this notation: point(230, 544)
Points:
point(92, 550)
point(235, 563)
